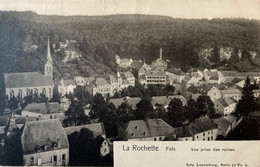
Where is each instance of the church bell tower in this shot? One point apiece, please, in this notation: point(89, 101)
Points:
point(48, 69)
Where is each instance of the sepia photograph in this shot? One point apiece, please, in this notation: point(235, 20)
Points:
point(78, 77)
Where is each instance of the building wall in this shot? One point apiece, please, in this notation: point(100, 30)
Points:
point(156, 138)
point(155, 80)
point(184, 138)
point(214, 94)
point(235, 96)
point(25, 91)
point(206, 136)
point(47, 158)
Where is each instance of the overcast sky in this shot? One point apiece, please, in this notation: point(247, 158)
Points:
point(175, 8)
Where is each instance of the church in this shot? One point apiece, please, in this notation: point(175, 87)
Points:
point(20, 85)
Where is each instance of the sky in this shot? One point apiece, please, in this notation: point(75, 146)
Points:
point(175, 8)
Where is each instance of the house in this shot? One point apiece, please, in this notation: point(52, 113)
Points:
point(131, 101)
point(24, 84)
point(194, 72)
point(175, 75)
point(183, 134)
point(256, 93)
point(203, 129)
point(97, 129)
point(212, 77)
point(124, 62)
point(83, 81)
point(225, 125)
point(215, 92)
point(233, 93)
point(125, 79)
point(44, 143)
point(66, 86)
point(100, 85)
point(106, 147)
point(145, 130)
point(224, 75)
point(225, 106)
point(160, 63)
point(154, 77)
point(165, 100)
point(44, 110)
point(189, 80)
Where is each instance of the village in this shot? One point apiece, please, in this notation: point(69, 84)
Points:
point(44, 118)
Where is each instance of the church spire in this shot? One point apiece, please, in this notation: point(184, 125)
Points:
point(48, 51)
point(48, 69)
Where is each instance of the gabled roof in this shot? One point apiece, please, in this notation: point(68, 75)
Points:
point(26, 79)
point(201, 124)
point(69, 82)
point(37, 134)
point(44, 108)
point(214, 78)
point(226, 101)
point(131, 101)
point(96, 128)
point(142, 129)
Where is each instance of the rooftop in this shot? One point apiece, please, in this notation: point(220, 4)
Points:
point(44, 108)
point(201, 124)
point(26, 79)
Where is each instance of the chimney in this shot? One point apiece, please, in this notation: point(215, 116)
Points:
point(160, 53)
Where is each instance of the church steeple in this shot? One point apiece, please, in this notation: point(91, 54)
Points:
point(48, 69)
point(49, 51)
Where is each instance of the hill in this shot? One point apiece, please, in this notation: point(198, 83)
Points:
point(98, 38)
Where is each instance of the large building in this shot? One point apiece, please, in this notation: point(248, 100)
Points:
point(149, 130)
point(23, 84)
point(44, 143)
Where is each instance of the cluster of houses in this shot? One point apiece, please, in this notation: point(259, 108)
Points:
point(44, 141)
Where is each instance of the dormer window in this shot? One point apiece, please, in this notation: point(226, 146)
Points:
point(45, 147)
point(136, 127)
point(55, 145)
point(132, 134)
point(38, 148)
point(144, 133)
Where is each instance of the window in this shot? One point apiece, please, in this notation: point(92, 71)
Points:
point(55, 158)
point(197, 137)
point(155, 139)
point(208, 138)
point(203, 134)
point(64, 156)
point(32, 159)
point(51, 117)
point(212, 132)
point(186, 139)
point(160, 138)
point(136, 127)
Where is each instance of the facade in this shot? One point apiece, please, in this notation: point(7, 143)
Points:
point(175, 75)
point(225, 125)
point(233, 93)
point(214, 93)
point(203, 129)
point(44, 143)
point(30, 83)
point(100, 85)
point(225, 106)
point(149, 130)
point(212, 77)
point(44, 111)
point(106, 147)
point(66, 86)
point(125, 79)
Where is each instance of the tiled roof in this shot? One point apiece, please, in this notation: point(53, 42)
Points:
point(182, 132)
point(96, 128)
point(229, 73)
point(164, 100)
point(44, 108)
point(131, 101)
point(230, 91)
point(26, 79)
point(222, 123)
point(201, 124)
point(117, 102)
point(101, 81)
point(226, 101)
point(143, 129)
point(37, 134)
point(215, 78)
point(176, 71)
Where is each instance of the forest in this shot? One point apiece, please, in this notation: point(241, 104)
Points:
point(99, 38)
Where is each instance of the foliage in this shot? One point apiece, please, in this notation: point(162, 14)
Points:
point(144, 110)
point(84, 148)
point(247, 102)
point(205, 106)
point(75, 115)
point(124, 113)
point(175, 112)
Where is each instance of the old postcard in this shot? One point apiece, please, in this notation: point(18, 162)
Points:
point(130, 83)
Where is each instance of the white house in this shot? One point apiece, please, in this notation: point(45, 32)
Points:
point(66, 86)
point(225, 106)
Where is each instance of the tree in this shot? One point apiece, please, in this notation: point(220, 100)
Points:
point(124, 113)
point(84, 148)
point(82, 95)
point(144, 110)
point(175, 112)
point(75, 115)
point(13, 103)
point(97, 104)
point(192, 109)
point(168, 90)
point(205, 106)
point(42, 98)
point(247, 102)
point(161, 112)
